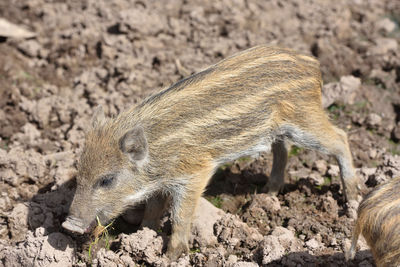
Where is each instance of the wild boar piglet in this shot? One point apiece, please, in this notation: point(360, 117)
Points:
point(171, 144)
point(379, 222)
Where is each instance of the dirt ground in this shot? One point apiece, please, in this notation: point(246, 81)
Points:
point(117, 52)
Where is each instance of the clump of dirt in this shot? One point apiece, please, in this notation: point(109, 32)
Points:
point(121, 51)
point(38, 249)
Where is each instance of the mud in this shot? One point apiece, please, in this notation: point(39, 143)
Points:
point(117, 52)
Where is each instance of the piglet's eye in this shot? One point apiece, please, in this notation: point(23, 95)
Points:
point(107, 181)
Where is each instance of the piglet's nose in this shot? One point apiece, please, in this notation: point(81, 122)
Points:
point(74, 224)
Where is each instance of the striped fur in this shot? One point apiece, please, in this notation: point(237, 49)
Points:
point(243, 105)
point(379, 222)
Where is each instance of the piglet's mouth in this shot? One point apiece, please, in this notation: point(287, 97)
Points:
point(74, 224)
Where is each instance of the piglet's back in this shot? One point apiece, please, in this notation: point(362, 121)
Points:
point(232, 104)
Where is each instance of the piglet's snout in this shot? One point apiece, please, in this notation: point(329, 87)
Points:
point(74, 224)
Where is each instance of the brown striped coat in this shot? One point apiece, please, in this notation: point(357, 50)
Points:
point(379, 222)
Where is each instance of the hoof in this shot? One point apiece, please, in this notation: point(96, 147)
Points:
point(272, 189)
point(354, 188)
point(174, 253)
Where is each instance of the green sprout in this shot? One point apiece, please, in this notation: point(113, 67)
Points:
point(216, 201)
point(100, 233)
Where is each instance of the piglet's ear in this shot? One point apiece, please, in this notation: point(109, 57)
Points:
point(98, 117)
point(134, 144)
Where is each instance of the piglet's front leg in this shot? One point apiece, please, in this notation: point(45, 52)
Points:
point(184, 203)
point(155, 208)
